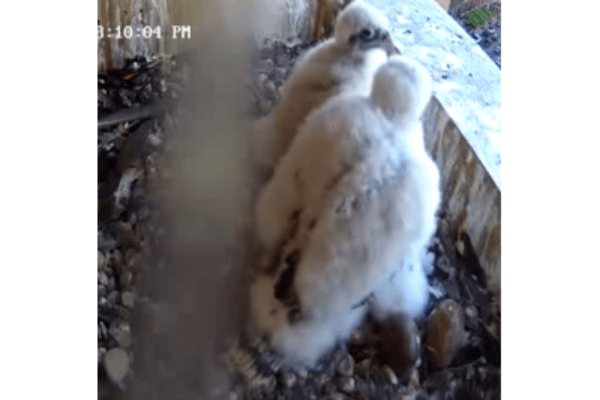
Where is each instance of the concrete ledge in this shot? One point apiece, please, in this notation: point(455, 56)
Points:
point(471, 199)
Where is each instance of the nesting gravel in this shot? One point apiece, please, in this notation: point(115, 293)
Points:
point(445, 334)
point(272, 66)
point(129, 144)
point(116, 364)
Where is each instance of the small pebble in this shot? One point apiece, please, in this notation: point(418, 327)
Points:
point(446, 334)
point(444, 264)
point(112, 284)
point(413, 380)
point(101, 261)
point(329, 388)
point(122, 334)
point(420, 395)
point(124, 313)
point(357, 338)
point(271, 90)
point(101, 352)
point(288, 379)
point(116, 258)
point(267, 65)
point(113, 297)
point(302, 373)
point(390, 375)
point(345, 383)
point(123, 338)
point(116, 364)
point(128, 299)
point(265, 106)
point(124, 227)
point(460, 247)
point(453, 384)
point(321, 379)
point(451, 287)
point(470, 372)
point(101, 291)
point(437, 395)
point(125, 279)
point(280, 74)
point(400, 344)
point(482, 373)
point(154, 140)
point(345, 365)
point(363, 368)
point(334, 396)
point(437, 290)
point(102, 279)
point(472, 317)
point(103, 329)
point(133, 261)
point(144, 213)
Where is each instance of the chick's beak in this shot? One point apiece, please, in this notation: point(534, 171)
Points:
point(389, 47)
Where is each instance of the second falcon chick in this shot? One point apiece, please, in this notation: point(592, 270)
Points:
point(343, 63)
point(358, 193)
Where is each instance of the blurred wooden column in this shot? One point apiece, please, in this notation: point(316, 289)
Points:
point(138, 14)
point(445, 4)
point(280, 19)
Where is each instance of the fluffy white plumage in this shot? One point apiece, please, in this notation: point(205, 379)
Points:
point(357, 193)
point(405, 292)
point(301, 343)
point(345, 62)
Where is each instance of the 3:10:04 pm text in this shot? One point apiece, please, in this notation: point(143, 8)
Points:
point(146, 32)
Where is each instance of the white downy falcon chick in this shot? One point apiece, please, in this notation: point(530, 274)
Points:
point(406, 291)
point(345, 62)
point(355, 196)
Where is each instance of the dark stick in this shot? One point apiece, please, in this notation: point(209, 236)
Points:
point(130, 114)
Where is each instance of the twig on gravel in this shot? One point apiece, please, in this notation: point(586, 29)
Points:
point(135, 113)
point(129, 114)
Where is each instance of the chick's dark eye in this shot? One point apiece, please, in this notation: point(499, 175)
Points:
point(366, 34)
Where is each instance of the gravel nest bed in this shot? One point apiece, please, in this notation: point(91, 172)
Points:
point(488, 35)
point(131, 144)
point(457, 359)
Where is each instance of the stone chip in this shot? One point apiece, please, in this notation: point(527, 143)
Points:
point(116, 364)
point(446, 334)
